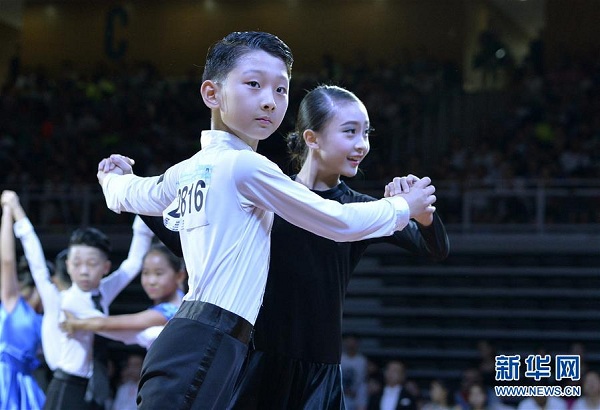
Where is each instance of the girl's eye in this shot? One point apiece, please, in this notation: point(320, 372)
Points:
point(281, 90)
point(351, 130)
point(253, 84)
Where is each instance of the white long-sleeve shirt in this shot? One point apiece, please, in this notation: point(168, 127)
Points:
point(74, 354)
point(49, 293)
point(222, 201)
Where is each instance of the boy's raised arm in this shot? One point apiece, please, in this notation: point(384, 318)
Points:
point(130, 267)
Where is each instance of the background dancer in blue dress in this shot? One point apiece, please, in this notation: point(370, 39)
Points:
point(20, 327)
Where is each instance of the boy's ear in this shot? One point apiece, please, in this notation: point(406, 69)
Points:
point(107, 266)
point(180, 277)
point(209, 91)
point(310, 138)
point(67, 265)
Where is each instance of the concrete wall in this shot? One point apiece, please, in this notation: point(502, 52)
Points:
point(176, 34)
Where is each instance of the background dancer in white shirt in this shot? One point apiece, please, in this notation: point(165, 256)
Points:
point(162, 279)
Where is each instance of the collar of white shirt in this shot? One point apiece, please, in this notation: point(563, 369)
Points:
point(211, 137)
point(389, 400)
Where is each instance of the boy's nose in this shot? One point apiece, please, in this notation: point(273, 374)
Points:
point(270, 106)
point(269, 101)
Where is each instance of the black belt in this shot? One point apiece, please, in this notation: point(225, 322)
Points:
point(207, 313)
point(60, 374)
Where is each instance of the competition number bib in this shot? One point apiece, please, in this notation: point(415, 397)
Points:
point(187, 211)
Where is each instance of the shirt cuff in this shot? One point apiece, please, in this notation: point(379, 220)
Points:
point(111, 200)
point(402, 211)
point(22, 227)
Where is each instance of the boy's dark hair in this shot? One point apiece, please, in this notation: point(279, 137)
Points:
point(223, 55)
point(60, 267)
point(91, 237)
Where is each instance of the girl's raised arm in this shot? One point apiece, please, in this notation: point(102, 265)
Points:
point(9, 284)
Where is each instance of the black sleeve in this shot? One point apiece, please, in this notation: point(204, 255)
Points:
point(430, 241)
point(166, 236)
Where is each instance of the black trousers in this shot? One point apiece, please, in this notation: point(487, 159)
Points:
point(274, 382)
point(195, 361)
point(67, 392)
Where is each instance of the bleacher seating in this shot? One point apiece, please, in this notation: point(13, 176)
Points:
point(431, 316)
point(522, 293)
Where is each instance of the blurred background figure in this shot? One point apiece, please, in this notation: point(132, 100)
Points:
point(590, 399)
point(126, 393)
point(440, 397)
point(395, 395)
point(354, 374)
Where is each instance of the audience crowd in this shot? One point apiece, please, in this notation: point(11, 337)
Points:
point(370, 385)
point(543, 125)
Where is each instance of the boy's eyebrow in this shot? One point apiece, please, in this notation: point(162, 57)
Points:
point(257, 71)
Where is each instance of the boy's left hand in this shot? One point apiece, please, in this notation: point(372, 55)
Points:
point(115, 164)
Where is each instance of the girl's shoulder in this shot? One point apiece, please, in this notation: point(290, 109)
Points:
point(351, 195)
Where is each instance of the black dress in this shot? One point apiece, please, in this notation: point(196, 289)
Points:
point(294, 359)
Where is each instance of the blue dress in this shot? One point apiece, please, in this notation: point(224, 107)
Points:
point(20, 339)
point(167, 309)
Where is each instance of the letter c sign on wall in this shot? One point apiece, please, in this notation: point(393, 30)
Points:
point(115, 50)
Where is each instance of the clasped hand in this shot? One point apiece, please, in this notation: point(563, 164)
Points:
point(419, 194)
point(115, 164)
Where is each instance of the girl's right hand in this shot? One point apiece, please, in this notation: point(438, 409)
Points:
point(9, 198)
point(67, 325)
point(400, 185)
